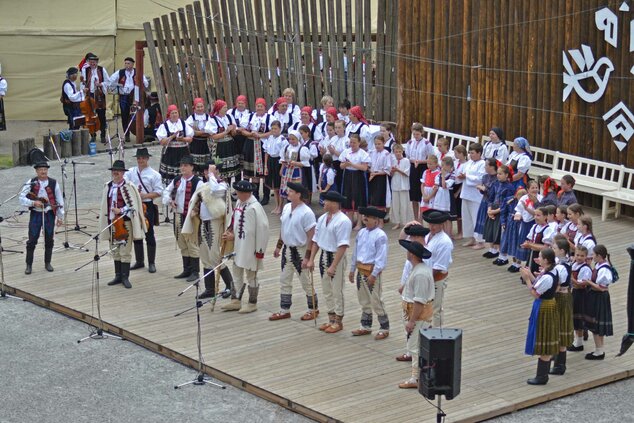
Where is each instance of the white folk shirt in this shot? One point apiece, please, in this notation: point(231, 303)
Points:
point(296, 153)
point(113, 195)
point(151, 179)
point(198, 122)
point(418, 150)
point(362, 128)
point(299, 123)
point(498, 151)
point(3, 86)
point(295, 224)
point(474, 171)
point(523, 205)
point(561, 271)
point(584, 271)
point(59, 199)
point(400, 182)
point(371, 247)
point(441, 247)
point(543, 283)
point(380, 162)
point(174, 127)
point(340, 144)
point(73, 94)
point(523, 161)
point(129, 84)
point(334, 234)
point(320, 133)
point(256, 123)
point(293, 110)
point(419, 286)
point(604, 275)
point(214, 124)
point(239, 115)
point(275, 145)
point(94, 79)
point(218, 189)
point(358, 157)
point(587, 241)
point(180, 194)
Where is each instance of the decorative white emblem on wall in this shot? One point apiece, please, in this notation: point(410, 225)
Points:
point(620, 122)
point(598, 71)
point(607, 21)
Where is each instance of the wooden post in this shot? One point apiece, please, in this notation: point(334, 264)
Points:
point(75, 143)
point(47, 147)
point(85, 141)
point(65, 147)
point(139, 54)
point(16, 153)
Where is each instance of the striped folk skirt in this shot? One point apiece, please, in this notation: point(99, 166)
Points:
point(226, 151)
point(578, 308)
point(171, 161)
point(598, 313)
point(199, 150)
point(543, 329)
point(564, 311)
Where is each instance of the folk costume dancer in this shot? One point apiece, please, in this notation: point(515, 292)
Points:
point(222, 128)
point(239, 112)
point(293, 160)
point(152, 116)
point(256, 128)
point(44, 199)
point(418, 299)
point(71, 97)
point(207, 216)
point(441, 247)
point(174, 135)
point(125, 81)
point(96, 80)
point(369, 257)
point(288, 95)
point(178, 195)
point(250, 234)
point(297, 229)
point(121, 198)
point(496, 148)
point(332, 236)
point(199, 147)
point(281, 112)
point(274, 145)
point(149, 184)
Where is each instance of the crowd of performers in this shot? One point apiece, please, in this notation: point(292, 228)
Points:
point(219, 167)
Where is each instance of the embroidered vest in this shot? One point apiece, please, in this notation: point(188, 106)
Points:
point(50, 190)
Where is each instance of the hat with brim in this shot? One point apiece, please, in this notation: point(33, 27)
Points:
point(92, 57)
point(154, 95)
point(435, 216)
point(187, 160)
point(372, 212)
point(334, 196)
point(415, 248)
point(118, 165)
point(297, 187)
point(142, 152)
point(244, 186)
point(416, 230)
point(41, 164)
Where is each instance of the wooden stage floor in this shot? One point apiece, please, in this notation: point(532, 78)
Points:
point(330, 377)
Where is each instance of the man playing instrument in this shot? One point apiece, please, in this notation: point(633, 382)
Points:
point(71, 97)
point(148, 182)
point(121, 206)
point(125, 81)
point(178, 195)
point(43, 197)
point(95, 80)
point(297, 229)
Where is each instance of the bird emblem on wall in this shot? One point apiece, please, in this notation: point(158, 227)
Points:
point(591, 81)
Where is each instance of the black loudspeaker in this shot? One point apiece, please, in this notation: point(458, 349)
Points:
point(439, 362)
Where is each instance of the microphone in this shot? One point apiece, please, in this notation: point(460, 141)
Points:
point(228, 256)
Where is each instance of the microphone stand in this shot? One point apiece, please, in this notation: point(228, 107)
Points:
point(98, 332)
point(201, 378)
point(78, 228)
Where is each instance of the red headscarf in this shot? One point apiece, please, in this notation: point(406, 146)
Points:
point(309, 110)
point(241, 97)
point(171, 108)
point(279, 102)
point(261, 101)
point(218, 104)
point(356, 112)
point(332, 111)
point(198, 100)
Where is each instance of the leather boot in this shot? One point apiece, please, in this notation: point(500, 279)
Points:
point(125, 274)
point(542, 373)
point(48, 255)
point(559, 367)
point(227, 277)
point(252, 305)
point(266, 195)
point(117, 274)
point(186, 269)
point(194, 265)
point(29, 260)
point(151, 257)
point(139, 255)
point(210, 285)
point(331, 320)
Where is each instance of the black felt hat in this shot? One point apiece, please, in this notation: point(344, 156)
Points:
point(372, 211)
point(416, 230)
point(435, 216)
point(415, 248)
point(41, 164)
point(244, 186)
point(297, 187)
point(142, 152)
point(187, 160)
point(334, 196)
point(92, 56)
point(118, 165)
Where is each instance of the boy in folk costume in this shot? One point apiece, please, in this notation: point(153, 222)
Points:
point(43, 197)
point(369, 257)
point(121, 198)
point(250, 233)
point(209, 215)
point(296, 232)
point(178, 195)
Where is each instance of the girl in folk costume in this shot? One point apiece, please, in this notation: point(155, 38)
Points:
point(525, 215)
point(386, 130)
point(501, 190)
point(199, 147)
point(307, 120)
point(293, 109)
point(256, 128)
point(581, 272)
point(294, 159)
point(563, 298)
point(380, 195)
point(337, 145)
point(510, 228)
point(585, 236)
point(282, 113)
point(358, 124)
point(542, 338)
point(460, 159)
point(442, 149)
point(496, 148)
point(327, 102)
point(326, 178)
point(485, 188)
point(273, 146)
point(598, 310)
point(240, 112)
point(427, 182)
point(537, 239)
point(222, 128)
point(174, 135)
point(520, 161)
point(354, 164)
point(566, 195)
point(443, 184)
point(321, 130)
point(417, 150)
point(326, 141)
point(561, 216)
point(575, 211)
point(309, 178)
point(401, 212)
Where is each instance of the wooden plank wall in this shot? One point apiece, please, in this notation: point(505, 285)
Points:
point(223, 48)
point(510, 54)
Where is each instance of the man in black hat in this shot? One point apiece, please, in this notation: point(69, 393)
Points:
point(441, 247)
point(149, 183)
point(71, 97)
point(178, 195)
point(418, 298)
point(125, 81)
point(121, 200)
point(369, 257)
point(250, 235)
point(332, 236)
point(297, 228)
point(96, 80)
point(43, 197)
point(152, 116)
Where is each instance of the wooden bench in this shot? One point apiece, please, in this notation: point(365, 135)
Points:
point(592, 176)
point(433, 135)
point(543, 159)
point(623, 195)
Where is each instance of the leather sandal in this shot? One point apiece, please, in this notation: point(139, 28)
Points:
point(310, 315)
point(279, 316)
point(361, 332)
point(410, 383)
point(404, 357)
point(382, 334)
point(334, 328)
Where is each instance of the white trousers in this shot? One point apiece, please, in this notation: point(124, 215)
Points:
point(469, 218)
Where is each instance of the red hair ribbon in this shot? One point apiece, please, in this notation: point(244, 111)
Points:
point(548, 183)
